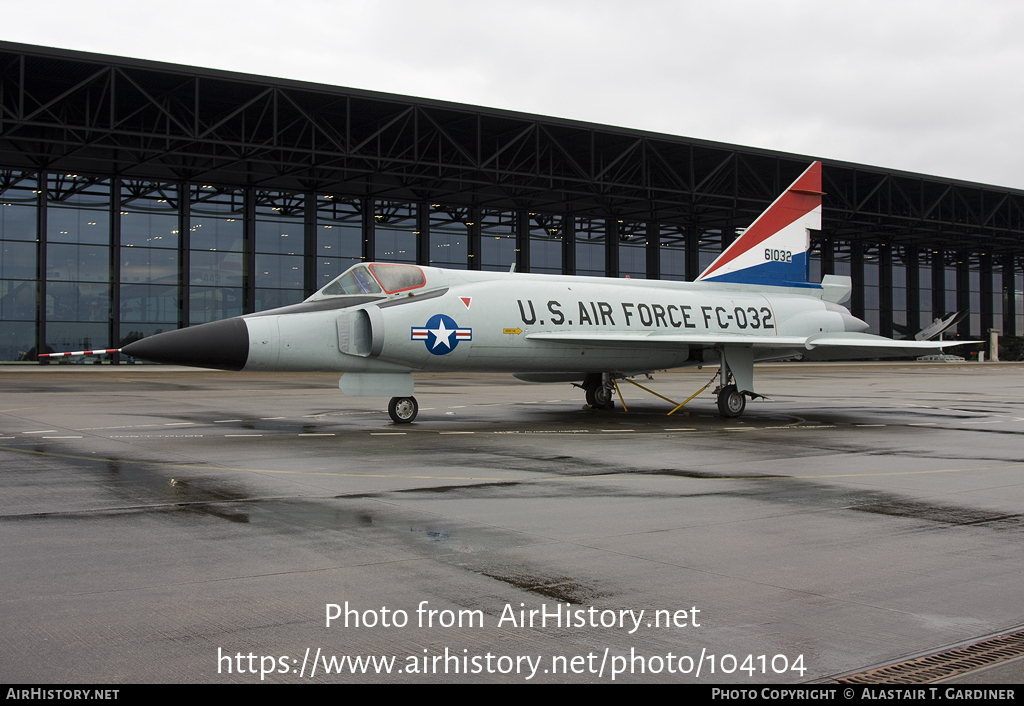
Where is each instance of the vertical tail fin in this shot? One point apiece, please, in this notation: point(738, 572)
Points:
point(774, 249)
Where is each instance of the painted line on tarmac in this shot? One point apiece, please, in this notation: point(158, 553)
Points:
point(544, 431)
point(157, 435)
point(124, 426)
point(454, 433)
point(523, 431)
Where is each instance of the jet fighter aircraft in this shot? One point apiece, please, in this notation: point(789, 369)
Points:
point(378, 322)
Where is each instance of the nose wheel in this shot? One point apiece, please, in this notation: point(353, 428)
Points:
point(403, 409)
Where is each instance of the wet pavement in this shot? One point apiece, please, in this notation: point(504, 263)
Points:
point(162, 524)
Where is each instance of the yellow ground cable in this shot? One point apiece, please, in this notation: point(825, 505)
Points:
point(652, 391)
point(624, 409)
point(693, 395)
point(688, 399)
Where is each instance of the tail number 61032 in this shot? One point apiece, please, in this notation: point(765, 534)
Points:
point(778, 255)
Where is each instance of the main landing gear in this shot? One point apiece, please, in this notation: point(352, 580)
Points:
point(599, 391)
point(403, 409)
point(731, 402)
point(735, 380)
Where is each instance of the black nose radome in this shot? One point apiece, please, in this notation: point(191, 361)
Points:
point(221, 344)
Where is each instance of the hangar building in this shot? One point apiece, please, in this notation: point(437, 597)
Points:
point(137, 197)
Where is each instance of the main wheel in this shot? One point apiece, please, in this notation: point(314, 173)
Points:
point(731, 402)
point(599, 397)
point(403, 409)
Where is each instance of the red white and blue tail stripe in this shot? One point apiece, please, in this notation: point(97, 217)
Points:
point(773, 251)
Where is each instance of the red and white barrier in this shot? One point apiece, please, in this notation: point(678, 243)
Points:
point(100, 351)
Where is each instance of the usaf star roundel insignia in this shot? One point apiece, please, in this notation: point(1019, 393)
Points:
point(441, 334)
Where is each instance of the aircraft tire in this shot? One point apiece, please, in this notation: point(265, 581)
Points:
point(731, 402)
point(403, 409)
point(600, 397)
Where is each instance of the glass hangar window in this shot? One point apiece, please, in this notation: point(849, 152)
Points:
point(280, 230)
point(77, 262)
point(149, 277)
point(19, 293)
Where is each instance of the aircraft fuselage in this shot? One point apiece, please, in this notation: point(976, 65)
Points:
point(492, 322)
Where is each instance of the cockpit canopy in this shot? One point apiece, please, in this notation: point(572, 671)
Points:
point(375, 278)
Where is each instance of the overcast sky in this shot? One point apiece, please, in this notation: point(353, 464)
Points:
point(930, 87)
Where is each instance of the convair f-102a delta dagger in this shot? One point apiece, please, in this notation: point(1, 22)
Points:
point(378, 323)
